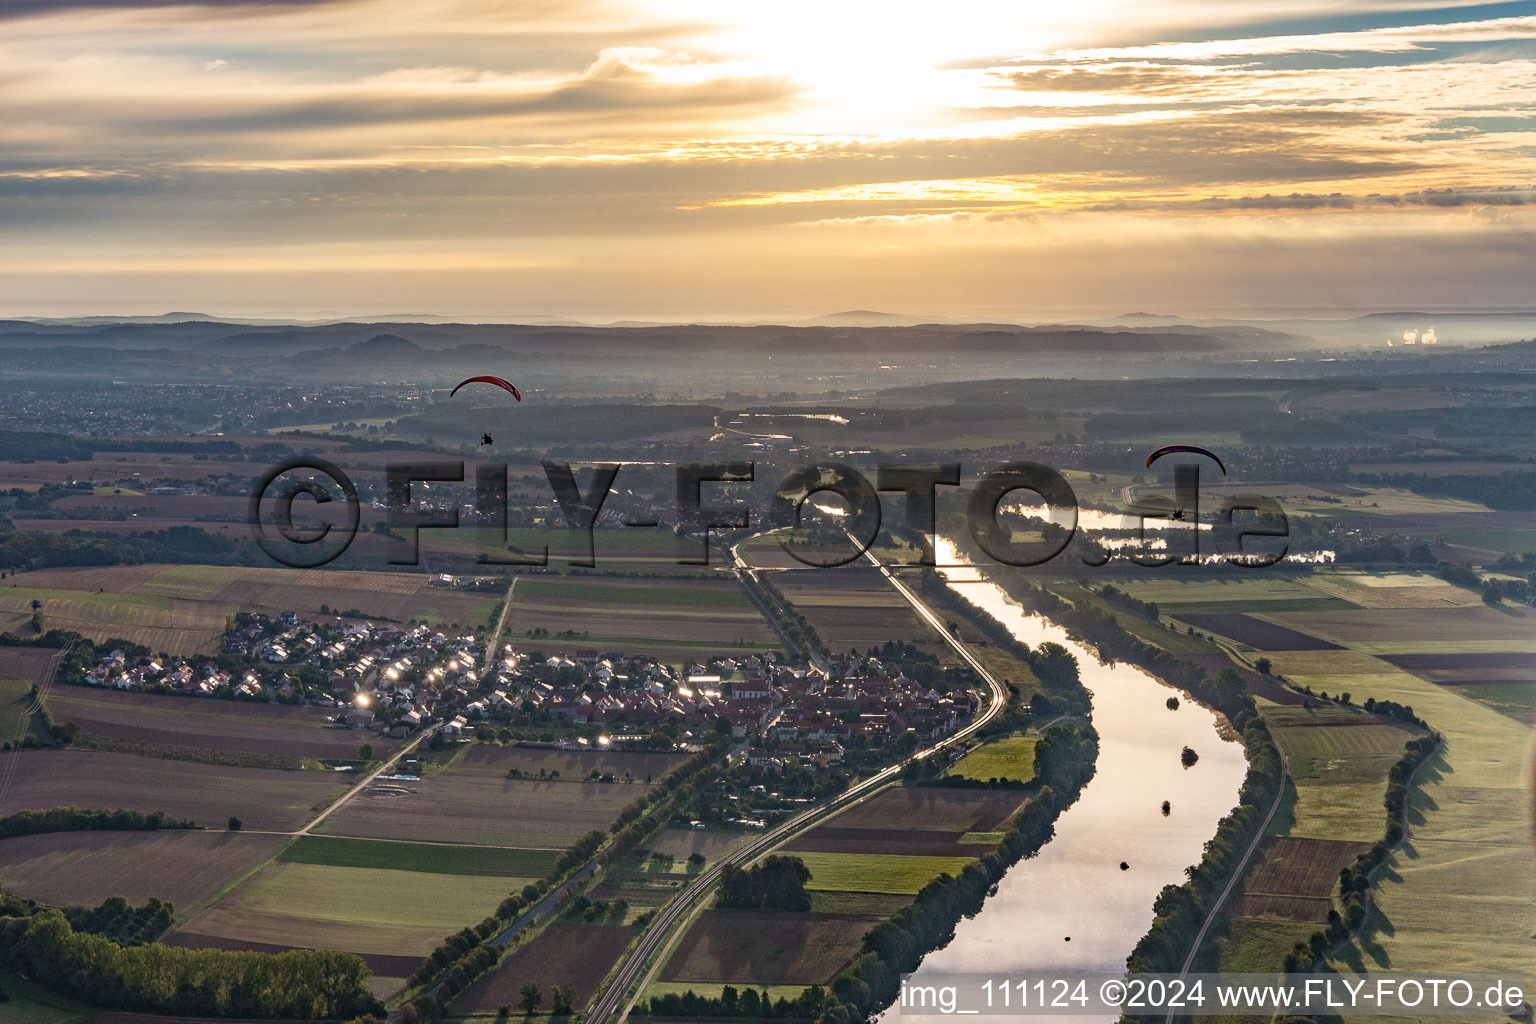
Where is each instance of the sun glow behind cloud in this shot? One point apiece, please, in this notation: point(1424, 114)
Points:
point(563, 156)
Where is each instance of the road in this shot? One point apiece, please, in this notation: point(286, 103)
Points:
point(742, 567)
point(349, 794)
point(1237, 874)
point(616, 1000)
point(495, 638)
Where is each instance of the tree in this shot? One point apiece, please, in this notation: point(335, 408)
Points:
point(1263, 665)
point(365, 752)
point(530, 998)
point(234, 823)
point(695, 861)
point(562, 1001)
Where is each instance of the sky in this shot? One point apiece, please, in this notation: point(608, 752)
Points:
point(766, 159)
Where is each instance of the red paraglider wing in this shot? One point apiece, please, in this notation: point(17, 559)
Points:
point(1193, 449)
point(505, 385)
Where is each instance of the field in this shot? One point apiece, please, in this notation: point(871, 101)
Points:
point(1255, 632)
point(672, 619)
point(681, 843)
point(459, 806)
point(1264, 594)
point(1293, 879)
point(650, 553)
point(854, 607)
point(923, 842)
point(84, 868)
point(1473, 630)
point(205, 722)
point(1010, 757)
point(183, 609)
point(377, 911)
point(748, 947)
point(32, 1005)
point(573, 765)
point(578, 955)
point(432, 858)
point(933, 807)
point(887, 873)
point(262, 798)
point(1455, 897)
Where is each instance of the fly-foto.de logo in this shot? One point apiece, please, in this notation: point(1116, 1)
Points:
point(1238, 528)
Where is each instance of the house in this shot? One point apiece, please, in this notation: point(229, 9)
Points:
point(358, 718)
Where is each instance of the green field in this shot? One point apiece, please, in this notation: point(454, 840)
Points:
point(887, 873)
point(1009, 757)
point(1457, 896)
point(372, 910)
point(32, 1005)
point(1263, 594)
point(426, 857)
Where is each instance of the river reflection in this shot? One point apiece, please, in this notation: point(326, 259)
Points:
point(1074, 886)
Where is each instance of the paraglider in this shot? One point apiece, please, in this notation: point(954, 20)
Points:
point(1193, 449)
point(505, 385)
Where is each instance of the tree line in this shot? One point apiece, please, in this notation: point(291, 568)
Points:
point(1355, 879)
point(778, 883)
point(155, 978)
point(73, 819)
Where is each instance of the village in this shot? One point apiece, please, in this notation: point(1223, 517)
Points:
point(392, 679)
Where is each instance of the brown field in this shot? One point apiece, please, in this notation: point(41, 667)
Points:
point(1300, 867)
point(465, 807)
point(1313, 909)
point(1412, 627)
point(182, 609)
point(573, 765)
point(578, 955)
point(29, 663)
point(263, 798)
point(169, 506)
point(128, 526)
point(855, 607)
point(678, 618)
point(919, 842)
point(84, 868)
point(1450, 667)
point(931, 808)
point(735, 946)
point(681, 843)
point(206, 722)
point(1255, 632)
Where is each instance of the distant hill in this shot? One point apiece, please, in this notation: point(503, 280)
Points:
point(385, 346)
point(870, 318)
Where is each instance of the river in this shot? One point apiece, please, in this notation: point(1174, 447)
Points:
point(1074, 886)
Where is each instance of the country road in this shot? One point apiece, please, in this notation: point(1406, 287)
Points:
point(494, 639)
point(362, 785)
point(635, 972)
